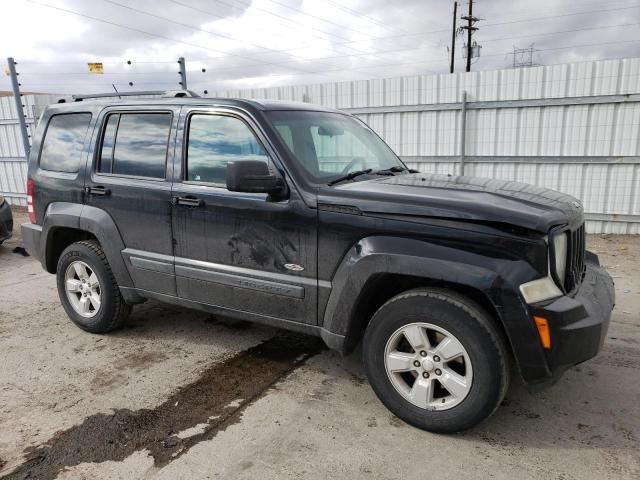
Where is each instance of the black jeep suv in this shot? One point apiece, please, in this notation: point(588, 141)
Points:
point(301, 217)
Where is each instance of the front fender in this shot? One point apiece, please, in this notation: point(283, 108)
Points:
point(496, 278)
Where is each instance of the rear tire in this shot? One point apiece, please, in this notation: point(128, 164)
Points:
point(88, 289)
point(435, 359)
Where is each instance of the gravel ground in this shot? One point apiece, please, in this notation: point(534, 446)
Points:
point(181, 394)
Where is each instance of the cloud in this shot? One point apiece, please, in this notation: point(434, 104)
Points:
point(261, 43)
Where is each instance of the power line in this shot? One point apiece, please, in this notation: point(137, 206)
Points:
point(558, 32)
point(361, 53)
point(430, 47)
point(119, 25)
point(510, 22)
point(133, 29)
point(358, 14)
point(197, 29)
point(273, 14)
point(429, 63)
point(284, 5)
point(404, 50)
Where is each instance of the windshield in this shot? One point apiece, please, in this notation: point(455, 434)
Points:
point(329, 145)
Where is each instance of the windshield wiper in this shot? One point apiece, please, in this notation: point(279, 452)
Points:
point(395, 169)
point(391, 170)
point(350, 176)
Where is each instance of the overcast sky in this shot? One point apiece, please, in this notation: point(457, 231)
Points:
point(262, 43)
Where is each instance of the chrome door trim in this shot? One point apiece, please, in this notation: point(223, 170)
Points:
point(241, 281)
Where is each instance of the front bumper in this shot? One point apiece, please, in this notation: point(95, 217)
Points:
point(6, 221)
point(578, 324)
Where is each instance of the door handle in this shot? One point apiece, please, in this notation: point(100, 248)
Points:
point(97, 190)
point(188, 201)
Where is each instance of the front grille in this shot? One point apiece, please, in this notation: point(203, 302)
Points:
point(575, 258)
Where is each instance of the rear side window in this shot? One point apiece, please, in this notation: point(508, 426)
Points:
point(63, 142)
point(135, 144)
point(214, 141)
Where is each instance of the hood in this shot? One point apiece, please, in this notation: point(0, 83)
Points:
point(459, 198)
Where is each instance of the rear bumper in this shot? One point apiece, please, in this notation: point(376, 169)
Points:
point(31, 235)
point(578, 324)
point(6, 221)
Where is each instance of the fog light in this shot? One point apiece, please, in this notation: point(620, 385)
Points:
point(543, 331)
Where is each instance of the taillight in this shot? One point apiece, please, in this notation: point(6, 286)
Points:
point(31, 190)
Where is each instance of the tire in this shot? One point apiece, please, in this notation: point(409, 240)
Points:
point(101, 317)
point(478, 378)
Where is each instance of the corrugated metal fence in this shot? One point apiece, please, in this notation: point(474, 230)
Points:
point(571, 127)
point(13, 165)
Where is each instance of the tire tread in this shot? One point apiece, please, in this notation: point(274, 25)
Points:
point(121, 309)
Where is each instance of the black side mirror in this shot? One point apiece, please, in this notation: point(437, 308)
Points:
point(253, 176)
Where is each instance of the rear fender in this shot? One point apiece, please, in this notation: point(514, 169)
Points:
point(89, 219)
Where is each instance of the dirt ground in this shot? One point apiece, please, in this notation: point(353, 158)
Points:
point(181, 394)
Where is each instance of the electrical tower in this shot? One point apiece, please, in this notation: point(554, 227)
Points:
point(523, 57)
point(471, 49)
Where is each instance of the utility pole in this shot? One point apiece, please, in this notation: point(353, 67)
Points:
point(183, 73)
point(17, 96)
point(453, 36)
point(471, 20)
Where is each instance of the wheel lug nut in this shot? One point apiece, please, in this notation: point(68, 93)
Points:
point(423, 353)
point(438, 371)
point(436, 358)
point(416, 363)
point(425, 374)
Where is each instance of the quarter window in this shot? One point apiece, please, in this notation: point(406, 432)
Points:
point(135, 144)
point(214, 141)
point(64, 141)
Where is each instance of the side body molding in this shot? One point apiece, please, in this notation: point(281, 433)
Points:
point(496, 278)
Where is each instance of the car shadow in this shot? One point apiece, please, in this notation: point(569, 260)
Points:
point(584, 409)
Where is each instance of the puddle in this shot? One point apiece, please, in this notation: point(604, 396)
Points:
point(215, 400)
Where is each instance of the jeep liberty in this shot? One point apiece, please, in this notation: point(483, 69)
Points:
point(301, 217)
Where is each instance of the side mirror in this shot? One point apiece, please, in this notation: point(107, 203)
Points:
point(253, 176)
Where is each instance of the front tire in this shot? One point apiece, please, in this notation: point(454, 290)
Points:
point(435, 359)
point(88, 290)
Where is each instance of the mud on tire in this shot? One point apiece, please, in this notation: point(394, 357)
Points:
point(112, 310)
point(429, 316)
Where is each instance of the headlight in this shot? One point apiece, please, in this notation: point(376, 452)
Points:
point(560, 255)
point(539, 290)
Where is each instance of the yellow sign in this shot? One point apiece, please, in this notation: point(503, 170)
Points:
point(96, 68)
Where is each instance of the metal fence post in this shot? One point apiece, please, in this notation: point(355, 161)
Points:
point(17, 96)
point(183, 73)
point(463, 130)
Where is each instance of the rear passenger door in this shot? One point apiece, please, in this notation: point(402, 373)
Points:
point(130, 181)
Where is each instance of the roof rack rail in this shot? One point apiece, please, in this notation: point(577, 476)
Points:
point(162, 93)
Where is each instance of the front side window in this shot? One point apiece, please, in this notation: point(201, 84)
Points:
point(63, 142)
point(329, 144)
point(214, 141)
point(135, 144)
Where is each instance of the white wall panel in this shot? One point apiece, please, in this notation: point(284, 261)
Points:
point(600, 130)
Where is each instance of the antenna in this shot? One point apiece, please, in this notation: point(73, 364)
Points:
point(114, 87)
